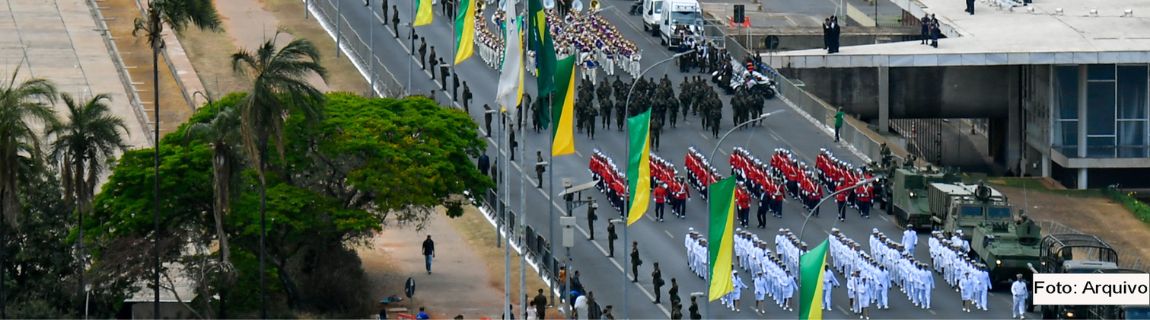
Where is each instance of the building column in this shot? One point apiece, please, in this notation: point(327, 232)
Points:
point(1082, 114)
point(1014, 121)
point(883, 99)
point(1082, 178)
point(1046, 164)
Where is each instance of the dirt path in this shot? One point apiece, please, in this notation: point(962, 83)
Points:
point(467, 274)
point(1089, 214)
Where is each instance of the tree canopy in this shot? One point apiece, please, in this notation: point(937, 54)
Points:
point(366, 162)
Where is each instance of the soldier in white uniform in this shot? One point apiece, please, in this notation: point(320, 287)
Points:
point(760, 291)
point(926, 280)
point(829, 281)
point(966, 286)
point(984, 280)
point(737, 293)
point(1018, 293)
point(909, 238)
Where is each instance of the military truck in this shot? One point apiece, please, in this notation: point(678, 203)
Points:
point(1004, 243)
point(1074, 253)
point(1119, 312)
point(907, 194)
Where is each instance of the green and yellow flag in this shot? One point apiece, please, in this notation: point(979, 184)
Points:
point(540, 41)
point(721, 237)
point(422, 13)
point(639, 165)
point(563, 109)
point(811, 274)
point(464, 30)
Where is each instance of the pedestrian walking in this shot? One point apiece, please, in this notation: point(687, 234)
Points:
point(635, 262)
point(428, 253)
point(540, 304)
point(484, 163)
point(657, 281)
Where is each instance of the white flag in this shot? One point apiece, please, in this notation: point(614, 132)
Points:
point(511, 75)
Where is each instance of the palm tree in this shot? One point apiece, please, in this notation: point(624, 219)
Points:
point(83, 147)
point(177, 14)
point(222, 135)
point(21, 104)
point(279, 87)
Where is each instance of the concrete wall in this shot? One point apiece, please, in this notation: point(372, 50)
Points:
point(934, 92)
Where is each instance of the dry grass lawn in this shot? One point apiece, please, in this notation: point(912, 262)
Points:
point(342, 75)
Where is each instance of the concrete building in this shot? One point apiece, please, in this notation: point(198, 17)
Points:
point(1064, 83)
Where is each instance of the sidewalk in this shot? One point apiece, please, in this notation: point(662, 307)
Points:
point(61, 42)
point(466, 278)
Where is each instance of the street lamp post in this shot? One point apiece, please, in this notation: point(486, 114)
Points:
point(798, 276)
point(627, 199)
point(707, 276)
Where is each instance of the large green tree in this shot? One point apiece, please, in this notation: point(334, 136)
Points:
point(21, 104)
point(177, 14)
point(279, 88)
point(366, 161)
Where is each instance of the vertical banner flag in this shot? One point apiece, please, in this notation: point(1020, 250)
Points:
point(639, 165)
point(813, 265)
point(422, 13)
point(540, 40)
point(721, 237)
point(563, 108)
point(510, 92)
point(464, 30)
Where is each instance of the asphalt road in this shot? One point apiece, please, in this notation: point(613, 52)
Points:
point(658, 242)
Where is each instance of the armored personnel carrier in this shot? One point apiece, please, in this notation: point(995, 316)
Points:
point(1006, 244)
point(907, 194)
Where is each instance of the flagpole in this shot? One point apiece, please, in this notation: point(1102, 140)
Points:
point(803, 228)
point(551, 192)
point(522, 224)
point(411, 36)
point(507, 232)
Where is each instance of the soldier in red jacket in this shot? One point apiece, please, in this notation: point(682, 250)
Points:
point(841, 199)
point(777, 198)
point(681, 195)
point(863, 196)
point(743, 205)
point(660, 196)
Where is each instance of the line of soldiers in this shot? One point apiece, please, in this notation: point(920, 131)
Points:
point(765, 188)
point(609, 180)
point(747, 104)
point(673, 188)
point(868, 282)
point(800, 180)
point(912, 277)
point(705, 59)
point(697, 255)
point(700, 173)
point(967, 276)
point(770, 273)
point(837, 174)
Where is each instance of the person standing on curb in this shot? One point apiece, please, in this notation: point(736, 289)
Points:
point(657, 281)
point(591, 217)
point(540, 304)
point(635, 262)
point(838, 123)
point(428, 252)
point(611, 236)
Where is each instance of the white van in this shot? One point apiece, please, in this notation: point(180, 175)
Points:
point(652, 15)
point(681, 19)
